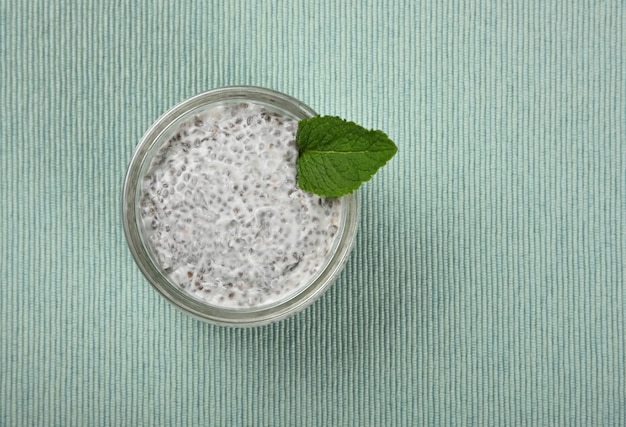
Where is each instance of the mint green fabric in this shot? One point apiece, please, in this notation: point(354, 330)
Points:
point(487, 285)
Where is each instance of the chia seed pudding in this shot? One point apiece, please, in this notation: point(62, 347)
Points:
point(222, 214)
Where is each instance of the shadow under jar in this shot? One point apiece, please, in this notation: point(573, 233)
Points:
point(213, 215)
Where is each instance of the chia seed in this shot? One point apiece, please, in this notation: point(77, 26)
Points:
point(235, 236)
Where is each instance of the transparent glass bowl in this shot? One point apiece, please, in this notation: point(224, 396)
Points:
point(158, 134)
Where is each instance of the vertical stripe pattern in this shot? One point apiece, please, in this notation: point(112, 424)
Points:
point(487, 285)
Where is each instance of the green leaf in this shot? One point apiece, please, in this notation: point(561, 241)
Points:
point(337, 156)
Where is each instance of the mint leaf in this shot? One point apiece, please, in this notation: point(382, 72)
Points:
point(337, 156)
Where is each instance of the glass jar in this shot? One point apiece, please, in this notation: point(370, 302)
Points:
point(161, 132)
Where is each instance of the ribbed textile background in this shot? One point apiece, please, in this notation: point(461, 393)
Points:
point(487, 285)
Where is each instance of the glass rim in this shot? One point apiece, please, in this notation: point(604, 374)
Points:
point(285, 307)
